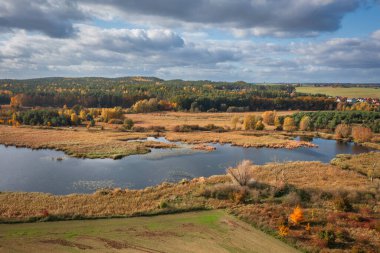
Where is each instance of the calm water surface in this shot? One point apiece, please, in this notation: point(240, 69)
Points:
point(29, 170)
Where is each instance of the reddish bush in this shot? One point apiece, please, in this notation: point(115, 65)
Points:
point(361, 134)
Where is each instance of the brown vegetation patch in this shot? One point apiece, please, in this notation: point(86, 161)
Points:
point(239, 138)
point(67, 243)
point(22, 206)
point(367, 164)
point(204, 147)
point(123, 245)
point(172, 119)
point(310, 175)
point(78, 142)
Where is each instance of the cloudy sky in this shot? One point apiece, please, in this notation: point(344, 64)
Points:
point(250, 40)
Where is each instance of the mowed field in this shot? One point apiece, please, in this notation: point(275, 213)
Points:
point(206, 231)
point(354, 92)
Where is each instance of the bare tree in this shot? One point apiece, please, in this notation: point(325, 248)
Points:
point(242, 173)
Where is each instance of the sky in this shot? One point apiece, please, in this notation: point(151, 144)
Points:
point(220, 40)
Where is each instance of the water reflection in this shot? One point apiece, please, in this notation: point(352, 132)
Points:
point(52, 171)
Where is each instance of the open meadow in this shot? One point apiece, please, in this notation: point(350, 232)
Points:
point(205, 231)
point(350, 92)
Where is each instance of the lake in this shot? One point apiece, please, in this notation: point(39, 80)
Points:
point(50, 171)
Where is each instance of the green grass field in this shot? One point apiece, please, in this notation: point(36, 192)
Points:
point(353, 92)
point(206, 231)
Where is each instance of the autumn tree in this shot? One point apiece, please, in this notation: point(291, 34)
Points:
point(289, 124)
point(305, 123)
point(17, 100)
point(362, 106)
point(83, 114)
point(115, 113)
point(259, 125)
point(249, 122)
point(145, 105)
point(74, 119)
point(297, 216)
point(234, 121)
point(277, 123)
point(361, 134)
point(283, 230)
point(342, 131)
point(269, 117)
point(128, 123)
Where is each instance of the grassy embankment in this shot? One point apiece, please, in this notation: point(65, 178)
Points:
point(207, 231)
point(340, 201)
point(352, 92)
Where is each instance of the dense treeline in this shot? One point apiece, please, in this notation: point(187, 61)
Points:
point(44, 117)
point(330, 120)
point(181, 95)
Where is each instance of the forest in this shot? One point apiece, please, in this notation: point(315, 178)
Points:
point(205, 95)
point(330, 120)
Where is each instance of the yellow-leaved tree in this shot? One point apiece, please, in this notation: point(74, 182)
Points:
point(297, 216)
point(289, 124)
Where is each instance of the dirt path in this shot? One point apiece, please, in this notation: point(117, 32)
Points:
point(207, 231)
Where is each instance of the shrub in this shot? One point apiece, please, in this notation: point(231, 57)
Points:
point(277, 124)
point(283, 230)
point(289, 124)
point(139, 129)
point(341, 203)
point(234, 121)
point(292, 199)
point(214, 128)
point(187, 128)
point(342, 131)
point(297, 216)
point(249, 122)
point(259, 125)
point(305, 123)
point(269, 117)
point(157, 129)
point(114, 113)
point(163, 204)
point(240, 196)
point(224, 191)
point(327, 235)
point(242, 173)
point(361, 134)
point(143, 106)
point(115, 121)
point(128, 123)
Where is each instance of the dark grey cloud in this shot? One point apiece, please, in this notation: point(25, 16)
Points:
point(52, 17)
point(270, 17)
point(57, 18)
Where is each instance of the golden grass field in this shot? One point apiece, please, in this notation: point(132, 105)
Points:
point(172, 119)
point(352, 92)
point(240, 138)
point(79, 142)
